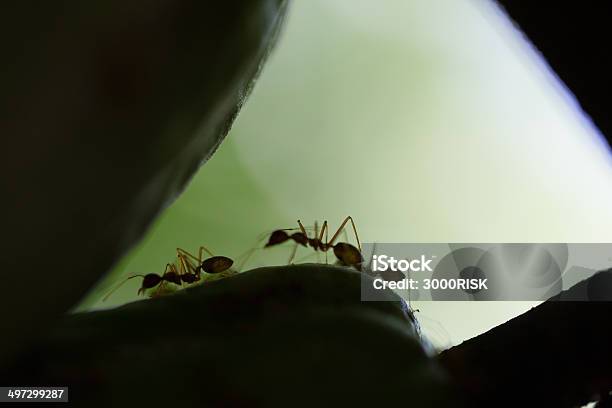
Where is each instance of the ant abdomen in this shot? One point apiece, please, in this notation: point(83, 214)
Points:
point(216, 264)
point(348, 254)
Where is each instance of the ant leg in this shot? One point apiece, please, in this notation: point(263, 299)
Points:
point(159, 288)
point(187, 258)
point(316, 235)
point(204, 249)
point(186, 254)
point(320, 238)
point(326, 240)
point(182, 266)
point(119, 285)
point(187, 267)
point(161, 284)
point(345, 235)
point(295, 245)
point(245, 257)
point(323, 230)
point(347, 219)
point(170, 267)
point(197, 259)
point(302, 228)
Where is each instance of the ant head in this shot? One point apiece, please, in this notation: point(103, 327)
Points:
point(216, 264)
point(348, 254)
point(149, 281)
point(277, 237)
point(172, 277)
point(189, 277)
point(300, 238)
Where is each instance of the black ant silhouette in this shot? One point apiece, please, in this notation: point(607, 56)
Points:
point(346, 253)
point(187, 271)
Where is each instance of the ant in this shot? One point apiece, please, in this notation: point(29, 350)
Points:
point(187, 273)
point(346, 253)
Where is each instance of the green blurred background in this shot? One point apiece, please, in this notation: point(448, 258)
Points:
point(426, 120)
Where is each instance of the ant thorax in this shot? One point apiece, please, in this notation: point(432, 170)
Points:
point(318, 245)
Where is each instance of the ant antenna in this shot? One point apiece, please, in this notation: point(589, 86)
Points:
point(244, 257)
point(119, 285)
point(302, 228)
